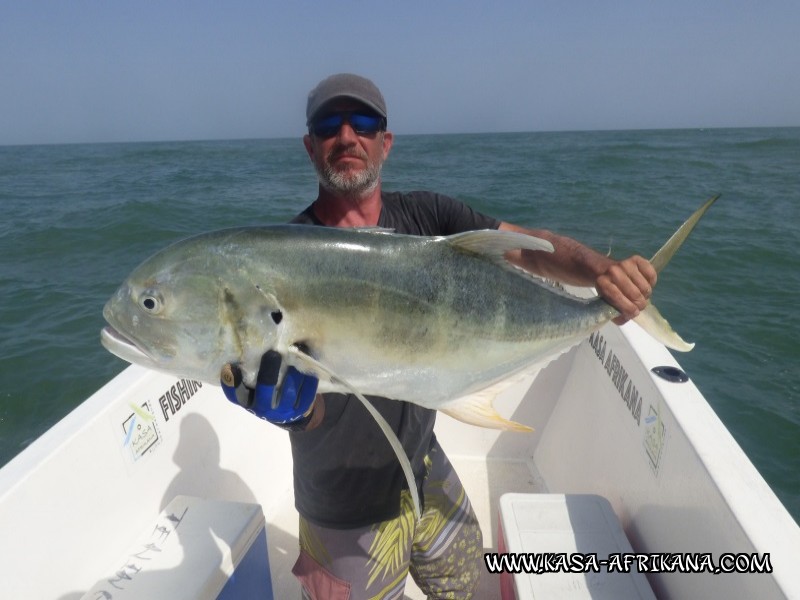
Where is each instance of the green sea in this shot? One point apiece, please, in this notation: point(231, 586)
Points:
point(77, 218)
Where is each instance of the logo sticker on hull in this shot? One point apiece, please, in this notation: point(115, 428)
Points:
point(141, 431)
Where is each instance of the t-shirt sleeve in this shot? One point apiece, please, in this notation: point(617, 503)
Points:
point(456, 217)
point(426, 213)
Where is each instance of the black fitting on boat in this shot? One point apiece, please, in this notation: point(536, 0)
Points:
point(671, 374)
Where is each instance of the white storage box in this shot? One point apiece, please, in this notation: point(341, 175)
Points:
point(196, 550)
point(556, 526)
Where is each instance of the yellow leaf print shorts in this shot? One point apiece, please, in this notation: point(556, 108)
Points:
point(442, 551)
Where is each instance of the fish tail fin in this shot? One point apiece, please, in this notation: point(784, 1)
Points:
point(667, 251)
point(650, 319)
point(657, 326)
point(477, 409)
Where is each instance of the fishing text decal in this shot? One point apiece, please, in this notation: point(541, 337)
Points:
point(176, 396)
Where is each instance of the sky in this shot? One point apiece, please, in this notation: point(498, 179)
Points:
point(114, 71)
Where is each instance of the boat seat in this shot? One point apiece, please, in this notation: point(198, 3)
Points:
point(196, 549)
point(555, 528)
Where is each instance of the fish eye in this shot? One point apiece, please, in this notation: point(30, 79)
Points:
point(150, 302)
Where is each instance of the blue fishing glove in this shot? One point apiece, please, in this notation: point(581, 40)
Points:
point(287, 403)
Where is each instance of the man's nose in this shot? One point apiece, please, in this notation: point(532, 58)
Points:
point(347, 133)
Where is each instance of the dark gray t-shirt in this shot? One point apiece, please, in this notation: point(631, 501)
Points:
point(345, 473)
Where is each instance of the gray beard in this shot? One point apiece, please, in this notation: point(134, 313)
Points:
point(361, 183)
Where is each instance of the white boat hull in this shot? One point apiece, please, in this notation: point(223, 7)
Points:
point(71, 503)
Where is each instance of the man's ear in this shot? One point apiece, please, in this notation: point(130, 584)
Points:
point(388, 140)
point(309, 146)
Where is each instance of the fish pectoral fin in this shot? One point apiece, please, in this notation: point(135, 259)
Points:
point(477, 409)
point(657, 326)
point(310, 366)
point(494, 244)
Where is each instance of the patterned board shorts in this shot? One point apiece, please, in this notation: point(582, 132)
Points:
point(442, 551)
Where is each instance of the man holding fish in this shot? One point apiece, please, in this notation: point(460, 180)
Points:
point(359, 536)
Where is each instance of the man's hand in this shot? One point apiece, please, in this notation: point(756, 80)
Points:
point(288, 403)
point(627, 285)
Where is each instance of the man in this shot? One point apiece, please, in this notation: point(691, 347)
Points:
point(358, 534)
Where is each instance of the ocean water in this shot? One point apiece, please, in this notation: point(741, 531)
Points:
point(77, 218)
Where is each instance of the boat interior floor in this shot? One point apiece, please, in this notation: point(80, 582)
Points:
point(485, 480)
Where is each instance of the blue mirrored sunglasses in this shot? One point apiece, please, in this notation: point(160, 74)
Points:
point(362, 123)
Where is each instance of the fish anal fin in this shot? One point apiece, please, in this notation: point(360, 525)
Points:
point(469, 409)
point(478, 409)
point(657, 326)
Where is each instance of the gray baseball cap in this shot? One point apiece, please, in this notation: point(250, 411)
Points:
point(345, 85)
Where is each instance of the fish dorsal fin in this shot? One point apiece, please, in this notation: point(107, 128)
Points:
point(372, 229)
point(494, 244)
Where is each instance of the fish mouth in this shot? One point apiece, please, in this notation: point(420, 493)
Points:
point(126, 349)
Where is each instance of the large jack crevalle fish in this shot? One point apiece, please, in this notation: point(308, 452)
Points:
point(428, 320)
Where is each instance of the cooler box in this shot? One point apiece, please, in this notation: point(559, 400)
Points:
point(558, 523)
point(196, 550)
